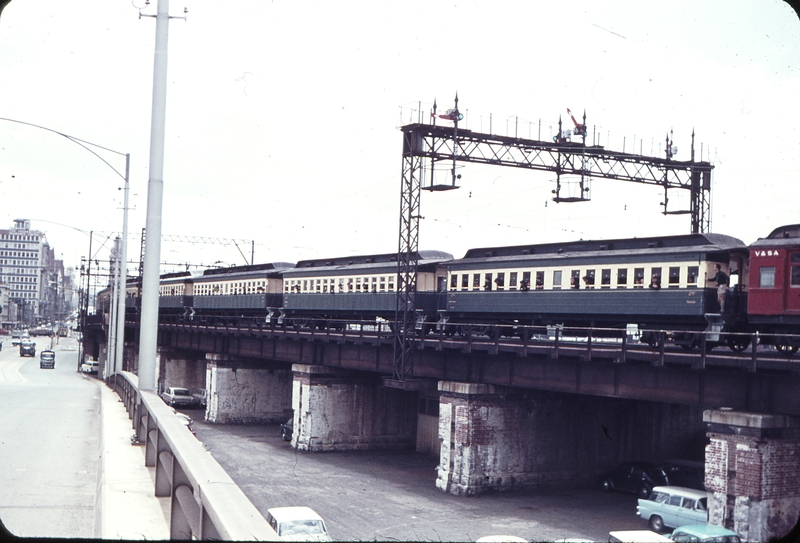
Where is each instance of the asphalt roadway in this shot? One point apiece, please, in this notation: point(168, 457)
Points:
point(67, 467)
point(48, 446)
point(391, 496)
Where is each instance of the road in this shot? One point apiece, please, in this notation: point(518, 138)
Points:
point(49, 432)
point(390, 496)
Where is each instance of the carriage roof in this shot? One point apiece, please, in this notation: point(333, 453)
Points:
point(685, 244)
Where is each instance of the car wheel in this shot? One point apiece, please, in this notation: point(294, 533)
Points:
point(643, 492)
point(656, 523)
point(605, 485)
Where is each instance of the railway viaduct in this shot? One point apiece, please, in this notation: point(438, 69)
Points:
point(504, 414)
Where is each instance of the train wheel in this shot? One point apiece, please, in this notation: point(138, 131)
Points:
point(302, 324)
point(784, 346)
point(738, 344)
point(525, 333)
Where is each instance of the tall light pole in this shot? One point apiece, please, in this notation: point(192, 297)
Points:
point(123, 275)
point(89, 146)
point(148, 331)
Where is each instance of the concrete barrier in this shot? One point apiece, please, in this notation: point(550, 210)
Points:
point(205, 503)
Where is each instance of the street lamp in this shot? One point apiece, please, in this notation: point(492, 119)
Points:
point(120, 324)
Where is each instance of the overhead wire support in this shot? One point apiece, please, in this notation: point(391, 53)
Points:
point(436, 143)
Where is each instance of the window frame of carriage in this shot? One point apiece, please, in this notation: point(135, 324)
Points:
point(680, 274)
point(332, 284)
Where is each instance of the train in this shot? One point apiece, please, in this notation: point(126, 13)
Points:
point(654, 284)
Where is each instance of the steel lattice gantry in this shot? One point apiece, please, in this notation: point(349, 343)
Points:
point(449, 143)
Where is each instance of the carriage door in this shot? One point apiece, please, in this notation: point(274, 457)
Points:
point(793, 283)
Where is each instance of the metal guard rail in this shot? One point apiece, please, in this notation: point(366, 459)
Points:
point(205, 502)
point(494, 338)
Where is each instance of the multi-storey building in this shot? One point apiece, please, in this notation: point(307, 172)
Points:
point(32, 275)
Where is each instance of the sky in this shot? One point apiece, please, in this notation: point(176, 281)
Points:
point(283, 117)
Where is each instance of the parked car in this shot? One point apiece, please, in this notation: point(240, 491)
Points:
point(637, 477)
point(201, 397)
point(287, 429)
point(27, 348)
point(186, 420)
point(47, 360)
point(177, 396)
point(636, 536)
point(297, 524)
point(688, 473)
point(90, 366)
point(704, 533)
point(673, 506)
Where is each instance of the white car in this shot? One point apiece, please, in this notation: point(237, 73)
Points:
point(177, 396)
point(297, 524)
point(90, 366)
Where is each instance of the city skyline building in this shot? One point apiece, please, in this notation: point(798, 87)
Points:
point(37, 289)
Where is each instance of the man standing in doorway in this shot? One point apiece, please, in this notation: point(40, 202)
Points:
point(722, 281)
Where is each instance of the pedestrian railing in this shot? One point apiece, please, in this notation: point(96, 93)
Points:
point(205, 502)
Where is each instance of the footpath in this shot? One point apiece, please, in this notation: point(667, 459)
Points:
point(126, 506)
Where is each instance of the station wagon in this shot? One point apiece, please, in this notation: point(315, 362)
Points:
point(674, 506)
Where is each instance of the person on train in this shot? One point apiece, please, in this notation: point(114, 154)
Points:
point(722, 280)
point(655, 282)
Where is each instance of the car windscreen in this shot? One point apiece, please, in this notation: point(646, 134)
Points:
point(295, 527)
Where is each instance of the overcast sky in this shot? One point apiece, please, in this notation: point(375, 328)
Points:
point(283, 116)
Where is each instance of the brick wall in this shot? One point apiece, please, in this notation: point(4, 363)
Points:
point(351, 413)
point(500, 441)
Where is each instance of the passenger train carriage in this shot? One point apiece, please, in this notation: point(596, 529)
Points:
point(651, 282)
point(774, 288)
point(360, 287)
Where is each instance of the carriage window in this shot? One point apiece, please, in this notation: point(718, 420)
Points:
point(383, 283)
point(487, 282)
point(588, 279)
point(525, 284)
point(454, 280)
point(638, 278)
point(557, 279)
point(767, 277)
point(674, 276)
point(691, 276)
point(476, 281)
point(540, 280)
point(605, 278)
point(465, 281)
point(795, 279)
point(512, 279)
point(500, 281)
point(575, 279)
point(622, 278)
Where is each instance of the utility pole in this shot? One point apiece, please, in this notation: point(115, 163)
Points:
point(148, 333)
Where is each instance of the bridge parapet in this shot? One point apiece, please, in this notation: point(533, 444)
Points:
point(205, 502)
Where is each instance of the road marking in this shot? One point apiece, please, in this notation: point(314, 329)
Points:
point(9, 372)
